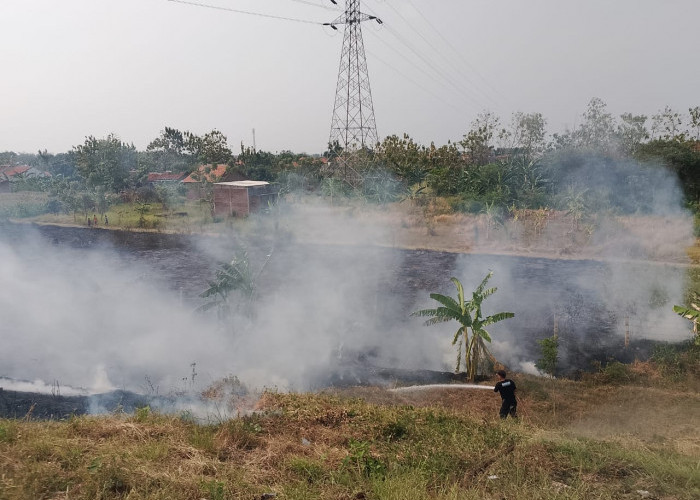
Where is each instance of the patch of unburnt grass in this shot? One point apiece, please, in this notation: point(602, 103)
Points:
point(324, 446)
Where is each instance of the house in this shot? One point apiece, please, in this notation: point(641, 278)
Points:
point(204, 174)
point(241, 198)
point(11, 173)
point(155, 178)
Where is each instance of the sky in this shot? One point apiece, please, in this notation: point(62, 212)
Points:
point(74, 68)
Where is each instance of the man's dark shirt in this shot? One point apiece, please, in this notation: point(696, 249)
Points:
point(506, 388)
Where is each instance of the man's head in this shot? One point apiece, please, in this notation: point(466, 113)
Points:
point(501, 374)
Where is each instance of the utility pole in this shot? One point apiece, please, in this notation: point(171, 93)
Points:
point(353, 126)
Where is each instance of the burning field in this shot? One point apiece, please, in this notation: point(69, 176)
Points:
point(105, 322)
point(100, 311)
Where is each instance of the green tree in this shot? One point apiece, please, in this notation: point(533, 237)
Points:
point(694, 123)
point(597, 130)
point(680, 156)
point(667, 125)
point(105, 162)
point(168, 152)
point(549, 349)
point(632, 132)
point(527, 134)
point(468, 313)
point(212, 147)
point(260, 165)
point(404, 158)
point(478, 142)
point(142, 209)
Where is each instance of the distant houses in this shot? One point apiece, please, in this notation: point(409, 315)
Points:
point(205, 174)
point(12, 173)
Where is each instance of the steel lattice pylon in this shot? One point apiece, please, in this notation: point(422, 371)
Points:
point(353, 124)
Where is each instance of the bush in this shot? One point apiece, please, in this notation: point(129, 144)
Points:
point(679, 360)
point(613, 373)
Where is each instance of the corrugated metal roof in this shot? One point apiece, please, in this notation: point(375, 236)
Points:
point(164, 176)
point(243, 183)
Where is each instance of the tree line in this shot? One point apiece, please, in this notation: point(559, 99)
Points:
point(495, 165)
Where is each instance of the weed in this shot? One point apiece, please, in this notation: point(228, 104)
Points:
point(8, 432)
point(142, 414)
point(394, 430)
point(215, 490)
point(202, 437)
point(361, 460)
point(309, 471)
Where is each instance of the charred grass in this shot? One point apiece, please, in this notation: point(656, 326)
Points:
point(573, 440)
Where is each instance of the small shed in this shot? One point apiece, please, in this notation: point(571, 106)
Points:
point(240, 198)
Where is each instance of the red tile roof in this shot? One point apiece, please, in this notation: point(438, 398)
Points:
point(213, 175)
point(10, 171)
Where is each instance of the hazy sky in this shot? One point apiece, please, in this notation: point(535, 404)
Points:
point(72, 68)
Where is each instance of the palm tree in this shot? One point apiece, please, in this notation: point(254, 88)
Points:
point(468, 314)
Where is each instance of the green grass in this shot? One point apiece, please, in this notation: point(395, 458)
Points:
point(23, 204)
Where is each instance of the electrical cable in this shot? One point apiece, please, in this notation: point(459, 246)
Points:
point(412, 62)
point(458, 53)
point(408, 78)
point(426, 60)
point(247, 12)
point(464, 76)
point(455, 84)
point(313, 4)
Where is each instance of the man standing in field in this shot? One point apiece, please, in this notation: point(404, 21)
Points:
point(507, 389)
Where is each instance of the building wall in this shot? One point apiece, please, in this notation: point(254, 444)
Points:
point(231, 201)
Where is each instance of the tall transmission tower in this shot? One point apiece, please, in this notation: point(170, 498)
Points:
point(353, 124)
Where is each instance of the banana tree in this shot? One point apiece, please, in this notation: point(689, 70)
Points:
point(469, 316)
point(235, 276)
point(693, 314)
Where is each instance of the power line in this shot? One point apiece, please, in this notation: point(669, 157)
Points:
point(313, 4)
point(414, 82)
point(440, 53)
point(447, 80)
point(458, 53)
point(247, 12)
point(442, 74)
point(412, 62)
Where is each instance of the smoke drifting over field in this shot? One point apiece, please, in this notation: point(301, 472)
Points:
point(104, 318)
point(117, 317)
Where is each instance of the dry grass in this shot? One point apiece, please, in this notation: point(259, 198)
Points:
point(694, 252)
point(573, 440)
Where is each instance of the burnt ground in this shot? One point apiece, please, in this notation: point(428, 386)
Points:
point(30, 405)
point(178, 262)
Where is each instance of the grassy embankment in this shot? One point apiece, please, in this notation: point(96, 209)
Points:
point(575, 440)
point(407, 225)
